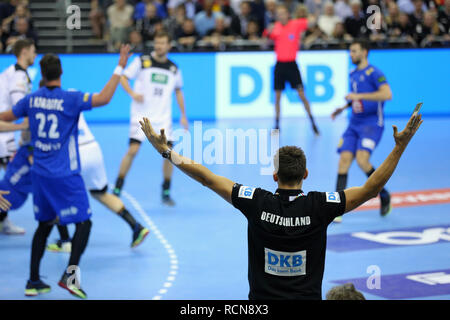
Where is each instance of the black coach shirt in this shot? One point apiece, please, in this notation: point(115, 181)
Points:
point(287, 235)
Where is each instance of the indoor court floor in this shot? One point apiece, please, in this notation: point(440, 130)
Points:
point(198, 249)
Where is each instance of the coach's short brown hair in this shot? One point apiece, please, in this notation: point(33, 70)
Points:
point(19, 45)
point(346, 291)
point(290, 164)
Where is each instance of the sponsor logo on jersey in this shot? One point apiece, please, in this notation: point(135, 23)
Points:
point(382, 79)
point(285, 264)
point(246, 192)
point(333, 197)
point(160, 78)
point(369, 71)
point(86, 97)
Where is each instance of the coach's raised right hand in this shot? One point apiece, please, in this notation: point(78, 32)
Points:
point(124, 55)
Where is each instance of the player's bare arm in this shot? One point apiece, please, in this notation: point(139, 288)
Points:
point(126, 85)
point(384, 93)
point(180, 100)
point(7, 116)
point(220, 185)
point(105, 96)
point(338, 111)
point(358, 195)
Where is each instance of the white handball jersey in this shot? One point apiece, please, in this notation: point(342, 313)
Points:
point(85, 135)
point(14, 85)
point(156, 81)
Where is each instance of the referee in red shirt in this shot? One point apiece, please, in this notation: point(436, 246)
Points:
point(286, 35)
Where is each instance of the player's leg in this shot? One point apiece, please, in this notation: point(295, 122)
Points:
point(346, 150)
point(68, 198)
point(46, 217)
point(113, 203)
point(370, 136)
point(279, 85)
point(6, 225)
point(296, 82)
point(125, 165)
point(64, 243)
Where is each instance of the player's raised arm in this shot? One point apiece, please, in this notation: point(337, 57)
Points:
point(221, 185)
point(105, 96)
point(358, 195)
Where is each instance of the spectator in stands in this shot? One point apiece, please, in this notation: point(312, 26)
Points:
point(340, 34)
point(21, 11)
point(226, 9)
point(173, 24)
point(346, 291)
point(402, 29)
point(205, 20)
point(416, 17)
point(240, 21)
point(257, 11)
point(406, 6)
point(7, 9)
point(313, 34)
point(140, 8)
point(302, 12)
point(253, 32)
point(356, 23)
point(220, 36)
point(428, 29)
point(135, 40)
point(328, 20)
point(120, 20)
point(314, 7)
point(270, 14)
point(393, 14)
point(150, 23)
point(22, 31)
point(97, 18)
point(187, 36)
point(342, 9)
point(192, 7)
point(444, 15)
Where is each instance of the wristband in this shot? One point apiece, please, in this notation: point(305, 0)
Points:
point(118, 70)
point(166, 154)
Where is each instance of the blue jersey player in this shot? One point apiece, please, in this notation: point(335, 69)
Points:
point(59, 193)
point(369, 91)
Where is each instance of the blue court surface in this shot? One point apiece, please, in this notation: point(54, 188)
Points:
point(198, 249)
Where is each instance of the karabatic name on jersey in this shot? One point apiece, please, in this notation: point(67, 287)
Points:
point(287, 235)
point(53, 117)
point(367, 80)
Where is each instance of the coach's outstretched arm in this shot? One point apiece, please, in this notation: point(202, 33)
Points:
point(358, 195)
point(220, 185)
point(105, 96)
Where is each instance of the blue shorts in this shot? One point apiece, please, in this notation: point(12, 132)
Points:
point(360, 137)
point(65, 198)
point(16, 198)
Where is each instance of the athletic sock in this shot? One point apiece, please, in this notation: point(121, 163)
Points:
point(126, 215)
point(341, 182)
point(38, 248)
point(63, 233)
point(166, 188)
point(383, 192)
point(79, 241)
point(119, 183)
point(3, 216)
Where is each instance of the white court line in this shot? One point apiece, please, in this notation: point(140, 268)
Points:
point(170, 251)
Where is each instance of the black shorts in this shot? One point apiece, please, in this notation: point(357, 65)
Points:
point(287, 72)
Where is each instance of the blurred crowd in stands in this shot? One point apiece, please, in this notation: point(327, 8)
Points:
point(218, 24)
point(225, 24)
point(15, 23)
